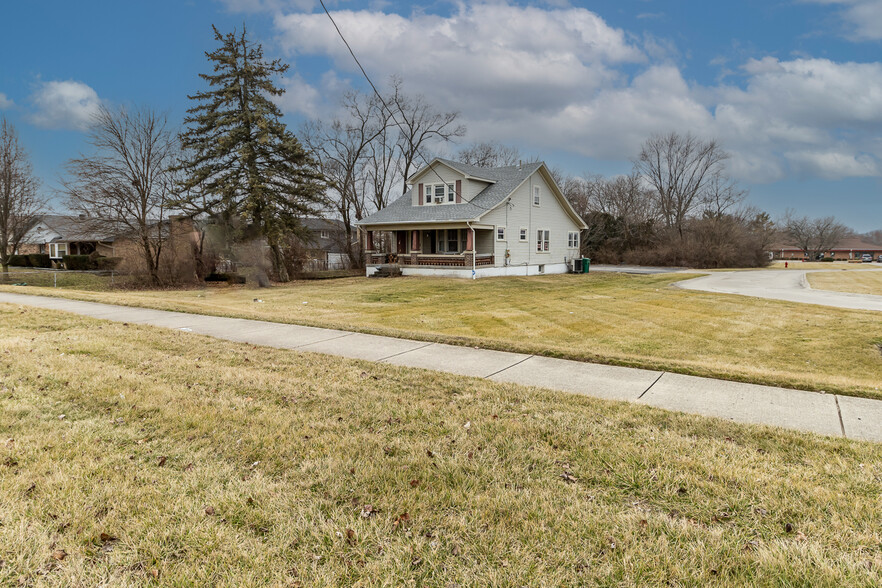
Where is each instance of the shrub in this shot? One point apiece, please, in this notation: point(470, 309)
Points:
point(19, 260)
point(39, 260)
point(223, 277)
point(77, 262)
point(106, 263)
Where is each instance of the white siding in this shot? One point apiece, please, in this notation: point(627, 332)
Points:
point(470, 188)
point(520, 212)
point(447, 175)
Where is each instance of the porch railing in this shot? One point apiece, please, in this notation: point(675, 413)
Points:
point(432, 260)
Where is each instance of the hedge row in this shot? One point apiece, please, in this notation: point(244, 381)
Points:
point(31, 260)
point(89, 262)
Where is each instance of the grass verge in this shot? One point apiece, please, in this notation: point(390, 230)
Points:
point(133, 455)
point(630, 320)
point(865, 282)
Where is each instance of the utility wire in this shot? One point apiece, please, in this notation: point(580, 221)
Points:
point(383, 102)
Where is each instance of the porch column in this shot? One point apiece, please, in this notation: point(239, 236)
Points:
point(416, 247)
point(368, 247)
point(469, 255)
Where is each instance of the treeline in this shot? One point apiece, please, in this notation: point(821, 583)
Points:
point(677, 207)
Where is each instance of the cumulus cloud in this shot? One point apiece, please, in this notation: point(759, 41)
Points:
point(562, 79)
point(862, 18)
point(64, 105)
point(5, 102)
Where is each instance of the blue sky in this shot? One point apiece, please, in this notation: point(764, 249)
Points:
point(792, 89)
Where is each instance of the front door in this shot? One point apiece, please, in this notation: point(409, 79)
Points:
point(401, 236)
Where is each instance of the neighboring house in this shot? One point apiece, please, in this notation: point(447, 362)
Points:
point(60, 235)
point(848, 248)
point(326, 243)
point(466, 221)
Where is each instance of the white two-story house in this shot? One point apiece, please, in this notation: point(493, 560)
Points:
point(468, 221)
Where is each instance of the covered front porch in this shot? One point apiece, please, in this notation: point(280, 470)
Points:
point(447, 247)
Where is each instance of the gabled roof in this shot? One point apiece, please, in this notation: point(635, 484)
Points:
point(505, 181)
point(471, 172)
point(336, 239)
point(74, 228)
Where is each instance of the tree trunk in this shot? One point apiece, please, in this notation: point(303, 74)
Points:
point(279, 263)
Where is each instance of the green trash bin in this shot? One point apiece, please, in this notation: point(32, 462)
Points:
point(586, 265)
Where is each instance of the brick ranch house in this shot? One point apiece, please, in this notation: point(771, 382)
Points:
point(846, 249)
point(60, 235)
point(461, 220)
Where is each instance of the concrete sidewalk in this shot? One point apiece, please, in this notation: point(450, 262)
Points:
point(827, 414)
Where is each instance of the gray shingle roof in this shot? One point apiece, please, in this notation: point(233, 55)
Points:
point(506, 178)
point(74, 228)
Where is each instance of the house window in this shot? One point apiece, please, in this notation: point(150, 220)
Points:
point(536, 195)
point(573, 239)
point(428, 198)
point(440, 193)
point(542, 238)
point(323, 234)
point(57, 250)
point(452, 240)
point(523, 234)
point(451, 193)
point(500, 233)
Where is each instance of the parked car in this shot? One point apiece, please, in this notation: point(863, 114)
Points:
point(866, 258)
point(879, 259)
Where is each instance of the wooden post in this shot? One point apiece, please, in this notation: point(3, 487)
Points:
point(470, 245)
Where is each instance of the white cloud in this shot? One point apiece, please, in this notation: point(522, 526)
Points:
point(863, 18)
point(64, 105)
point(5, 102)
point(562, 79)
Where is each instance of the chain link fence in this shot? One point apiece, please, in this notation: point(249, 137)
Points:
point(56, 278)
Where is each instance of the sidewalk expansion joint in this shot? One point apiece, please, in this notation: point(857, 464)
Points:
point(322, 340)
point(839, 412)
point(403, 352)
point(508, 367)
point(651, 385)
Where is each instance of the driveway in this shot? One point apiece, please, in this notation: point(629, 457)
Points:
point(790, 285)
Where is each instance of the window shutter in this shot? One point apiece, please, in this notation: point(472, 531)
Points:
point(458, 191)
point(420, 187)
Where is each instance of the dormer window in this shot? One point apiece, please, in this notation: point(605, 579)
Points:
point(439, 193)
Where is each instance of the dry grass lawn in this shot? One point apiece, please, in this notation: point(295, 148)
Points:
point(866, 282)
point(610, 318)
point(133, 455)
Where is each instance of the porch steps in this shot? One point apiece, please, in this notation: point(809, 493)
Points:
point(388, 270)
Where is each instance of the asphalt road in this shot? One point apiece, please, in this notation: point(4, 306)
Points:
point(790, 285)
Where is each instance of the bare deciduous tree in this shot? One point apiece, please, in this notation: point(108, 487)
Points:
point(813, 235)
point(20, 205)
point(679, 167)
point(489, 154)
point(342, 148)
point(419, 124)
point(126, 185)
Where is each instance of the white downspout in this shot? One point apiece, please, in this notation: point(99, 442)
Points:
point(474, 248)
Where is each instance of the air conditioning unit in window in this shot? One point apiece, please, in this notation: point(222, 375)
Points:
point(439, 199)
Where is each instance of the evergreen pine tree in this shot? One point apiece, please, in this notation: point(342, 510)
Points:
point(241, 162)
